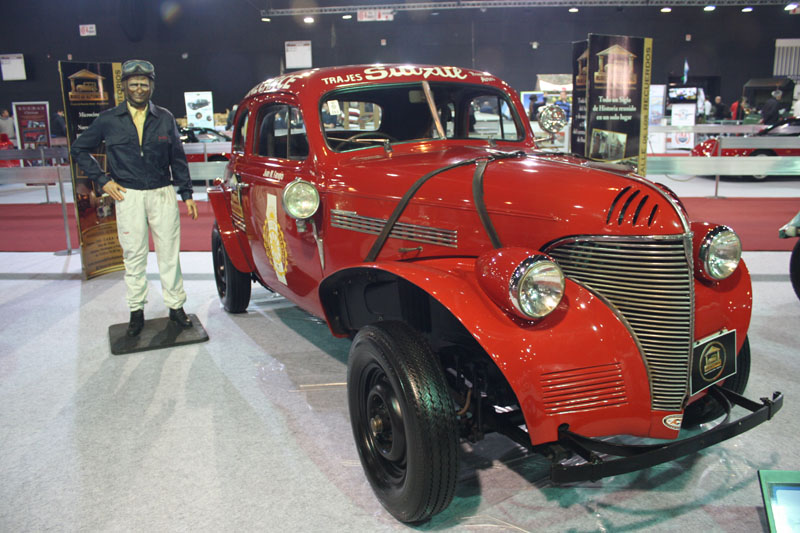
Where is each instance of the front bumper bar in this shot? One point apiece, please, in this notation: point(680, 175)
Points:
point(631, 457)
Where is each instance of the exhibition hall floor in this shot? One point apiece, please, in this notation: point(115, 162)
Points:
point(250, 432)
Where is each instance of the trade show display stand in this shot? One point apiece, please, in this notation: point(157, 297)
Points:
point(157, 333)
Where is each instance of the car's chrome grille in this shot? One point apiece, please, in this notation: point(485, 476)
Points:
point(411, 232)
point(649, 281)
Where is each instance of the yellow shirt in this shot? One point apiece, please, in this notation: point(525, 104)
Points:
point(138, 116)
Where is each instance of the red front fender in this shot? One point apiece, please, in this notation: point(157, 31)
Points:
point(565, 368)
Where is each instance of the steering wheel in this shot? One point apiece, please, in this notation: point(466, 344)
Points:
point(353, 138)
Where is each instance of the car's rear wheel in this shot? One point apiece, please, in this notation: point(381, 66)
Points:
point(233, 286)
point(794, 268)
point(707, 408)
point(761, 153)
point(403, 420)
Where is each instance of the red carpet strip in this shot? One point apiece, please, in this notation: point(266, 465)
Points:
point(40, 227)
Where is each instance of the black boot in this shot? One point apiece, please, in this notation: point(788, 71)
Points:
point(136, 324)
point(179, 317)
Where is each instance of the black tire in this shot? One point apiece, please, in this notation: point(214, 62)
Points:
point(403, 419)
point(794, 268)
point(707, 408)
point(233, 286)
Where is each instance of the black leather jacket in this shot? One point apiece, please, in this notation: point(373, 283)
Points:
point(132, 166)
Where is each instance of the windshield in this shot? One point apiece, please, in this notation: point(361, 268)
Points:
point(370, 116)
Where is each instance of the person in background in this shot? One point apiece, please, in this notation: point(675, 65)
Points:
point(563, 102)
point(771, 112)
point(143, 148)
point(7, 124)
point(739, 109)
point(719, 109)
point(59, 126)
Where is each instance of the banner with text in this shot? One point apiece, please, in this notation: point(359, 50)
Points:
point(617, 70)
point(88, 89)
point(32, 124)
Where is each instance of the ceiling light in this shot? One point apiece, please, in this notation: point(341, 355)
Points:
point(573, 10)
point(347, 17)
point(747, 9)
point(266, 19)
point(709, 8)
point(265, 16)
point(666, 10)
point(309, 20)
point(790, 7)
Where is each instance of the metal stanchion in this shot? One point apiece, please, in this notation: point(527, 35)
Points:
point(68, 251)
point(716, 181)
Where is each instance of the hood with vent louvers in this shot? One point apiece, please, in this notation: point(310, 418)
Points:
point(634, 206)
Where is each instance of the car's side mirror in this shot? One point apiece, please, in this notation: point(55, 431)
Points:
point(552, 119)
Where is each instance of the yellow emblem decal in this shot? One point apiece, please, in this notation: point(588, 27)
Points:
point(274, 243)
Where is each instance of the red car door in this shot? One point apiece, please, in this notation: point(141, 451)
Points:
point(284, 251)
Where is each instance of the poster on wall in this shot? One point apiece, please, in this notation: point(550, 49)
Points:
point(298, 54)
point(580, 54)
point(32, 125)
point(681, 115)
point(88, 89)
point(199, 109)
point(618, 81)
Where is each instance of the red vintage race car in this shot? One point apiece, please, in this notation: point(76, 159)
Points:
point(781, 139)
point(487, 286)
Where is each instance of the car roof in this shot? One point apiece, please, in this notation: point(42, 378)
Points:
point(316, 82)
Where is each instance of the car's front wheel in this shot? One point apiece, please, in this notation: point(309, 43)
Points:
point(403, 420)
point(233, 286)
point(707, 408)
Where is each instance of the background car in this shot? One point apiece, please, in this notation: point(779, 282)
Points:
point(194, 134)
point(789, 127)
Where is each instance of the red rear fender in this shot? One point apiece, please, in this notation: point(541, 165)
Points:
point(234, 239)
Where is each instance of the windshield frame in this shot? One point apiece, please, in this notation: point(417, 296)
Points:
point(466, 94)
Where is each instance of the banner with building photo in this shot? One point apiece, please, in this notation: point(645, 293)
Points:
point(88, 89)
point(618, 81)
point(580, 53)
point(32, 125)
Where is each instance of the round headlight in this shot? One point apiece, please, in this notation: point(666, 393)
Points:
point(720, 252)
point(536, 287)
point(300, 199)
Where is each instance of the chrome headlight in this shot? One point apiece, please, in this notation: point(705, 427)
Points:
point(300, 199)
point(536, 287)
point(719, 253)
point(521, 281)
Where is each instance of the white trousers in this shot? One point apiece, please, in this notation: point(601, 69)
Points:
point(156, 209)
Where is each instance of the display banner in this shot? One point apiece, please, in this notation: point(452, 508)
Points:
point(580, 55)
point(32, 123)
point(618, 83)
point(199, 109)
point(88, 89)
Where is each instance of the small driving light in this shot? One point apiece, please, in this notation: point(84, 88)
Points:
point(719, 253)
point(300, 199)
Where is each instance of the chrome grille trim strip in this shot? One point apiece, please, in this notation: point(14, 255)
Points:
point(412, 232)
point(649, 281)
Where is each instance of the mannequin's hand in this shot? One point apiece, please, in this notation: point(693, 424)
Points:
point(191, 208)
point(114, 190)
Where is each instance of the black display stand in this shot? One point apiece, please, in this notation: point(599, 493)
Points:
point(157, 333)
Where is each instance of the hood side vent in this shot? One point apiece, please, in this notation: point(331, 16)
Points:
point(629, 201)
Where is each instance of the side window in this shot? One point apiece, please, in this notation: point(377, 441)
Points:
point(491, 118)
point(240, 133)
point(281, 132)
